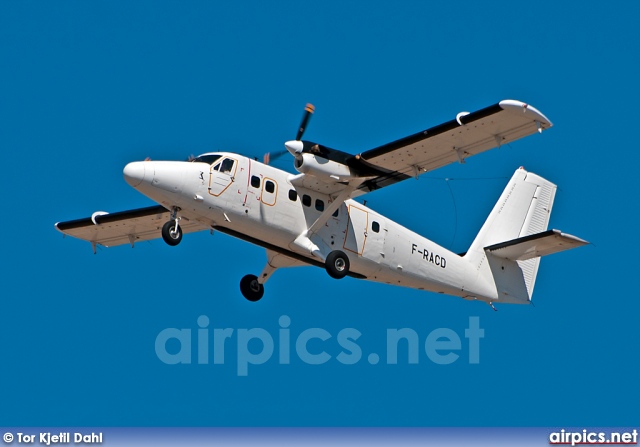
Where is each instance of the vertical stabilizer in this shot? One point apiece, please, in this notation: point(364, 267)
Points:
point(524, 208)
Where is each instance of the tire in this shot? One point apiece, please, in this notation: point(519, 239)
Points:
point(170, 236)
point(337, 264)
point(251, 289)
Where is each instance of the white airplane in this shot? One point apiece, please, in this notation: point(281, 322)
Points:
point(310, 218)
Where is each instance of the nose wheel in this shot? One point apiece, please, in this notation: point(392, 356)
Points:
point(172, 233)
point(251, 289)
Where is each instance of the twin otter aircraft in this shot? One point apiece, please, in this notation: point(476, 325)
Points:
point(311, 217)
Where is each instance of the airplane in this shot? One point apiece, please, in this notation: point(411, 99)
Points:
point(311, 218)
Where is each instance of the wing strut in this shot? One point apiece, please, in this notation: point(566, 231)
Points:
point(333, 206)
point(303, 243)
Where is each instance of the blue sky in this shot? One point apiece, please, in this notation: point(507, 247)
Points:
point(86, 87)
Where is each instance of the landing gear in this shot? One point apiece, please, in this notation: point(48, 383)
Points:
point(172, 233)
point(250, 287)
point(337, 264)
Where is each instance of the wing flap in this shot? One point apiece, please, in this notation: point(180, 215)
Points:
point(125, 227)
point(458, 139)
point(540, 244)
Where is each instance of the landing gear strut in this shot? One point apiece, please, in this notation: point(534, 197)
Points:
point(337, 264)
point(251, 289)
point(171, 231)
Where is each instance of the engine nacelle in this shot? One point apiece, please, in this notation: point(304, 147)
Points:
point(322, 168)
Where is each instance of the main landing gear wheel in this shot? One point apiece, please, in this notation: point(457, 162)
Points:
point(250, 287)
point(169, 233)
point(337, 264)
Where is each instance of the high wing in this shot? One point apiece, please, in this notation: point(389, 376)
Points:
point(454, 141)
point(125, 227)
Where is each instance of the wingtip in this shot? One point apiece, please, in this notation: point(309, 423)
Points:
point(516, 106)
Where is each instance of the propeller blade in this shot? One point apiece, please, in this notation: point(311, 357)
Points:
point(308, 111)
point(269, 157)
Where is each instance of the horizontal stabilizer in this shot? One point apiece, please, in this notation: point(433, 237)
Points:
point(535, 245)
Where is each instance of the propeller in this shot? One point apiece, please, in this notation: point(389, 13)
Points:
point(308, 111)
point(294, 147)
point(269, 157)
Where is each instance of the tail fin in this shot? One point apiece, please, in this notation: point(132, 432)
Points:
point(508, 247)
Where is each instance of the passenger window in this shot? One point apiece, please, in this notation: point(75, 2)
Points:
point(269, 186)
point(335, 214)
point(375, 226)
point(319, 205)
point(255, 181)
point(306, 200)
point(293, 195)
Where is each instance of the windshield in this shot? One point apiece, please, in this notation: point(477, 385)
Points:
point(208, 159)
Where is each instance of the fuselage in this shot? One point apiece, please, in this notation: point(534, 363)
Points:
point(259, 203)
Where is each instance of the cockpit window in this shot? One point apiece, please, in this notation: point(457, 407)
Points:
point(208, 159)
point(227, 165)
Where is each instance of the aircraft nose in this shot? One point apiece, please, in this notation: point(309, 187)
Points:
point(134, 173)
